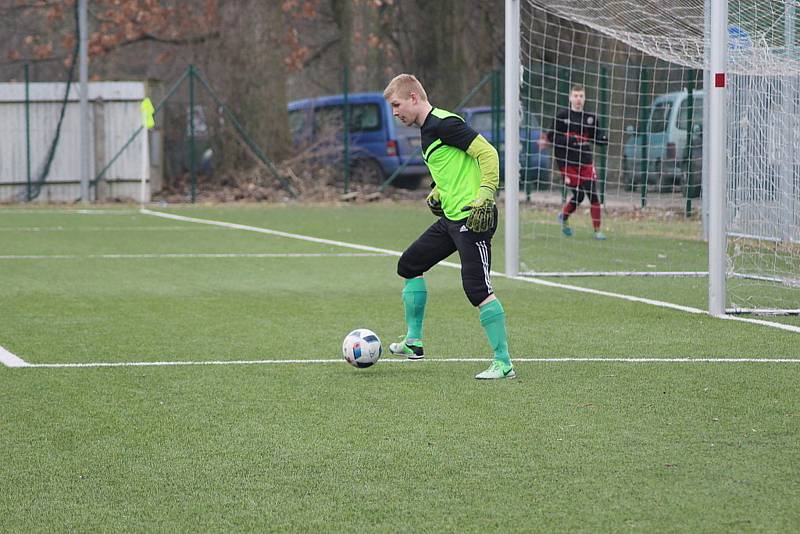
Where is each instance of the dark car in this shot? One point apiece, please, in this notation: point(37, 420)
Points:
point(378, 142)
point(534, 162)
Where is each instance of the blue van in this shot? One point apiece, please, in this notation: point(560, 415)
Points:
point(534, 162)
point(378, 144)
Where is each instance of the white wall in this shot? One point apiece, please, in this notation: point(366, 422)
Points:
point(115, 104)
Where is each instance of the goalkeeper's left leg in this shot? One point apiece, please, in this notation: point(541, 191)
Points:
point(493, 320)
point(475, 251)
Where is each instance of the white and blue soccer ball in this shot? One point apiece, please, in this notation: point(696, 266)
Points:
point(361, 348)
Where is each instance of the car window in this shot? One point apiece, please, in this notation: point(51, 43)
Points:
point(363, 118)
point(660, 117)
point(697, 113)
point(482, 121)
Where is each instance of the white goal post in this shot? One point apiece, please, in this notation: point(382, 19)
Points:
point(715, 142)
point(512, 113)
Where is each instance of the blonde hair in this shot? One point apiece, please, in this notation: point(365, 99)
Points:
point(403, 85)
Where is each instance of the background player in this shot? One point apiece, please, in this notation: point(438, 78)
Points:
point(573, 131)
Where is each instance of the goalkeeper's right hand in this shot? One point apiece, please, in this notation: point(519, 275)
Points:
point(481, 211)
point(434, 202)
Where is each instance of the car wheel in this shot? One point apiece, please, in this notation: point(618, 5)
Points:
point(366, 171)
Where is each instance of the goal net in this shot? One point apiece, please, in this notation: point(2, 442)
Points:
point(642, 65)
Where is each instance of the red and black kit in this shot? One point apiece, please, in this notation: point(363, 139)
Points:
point(571, 137)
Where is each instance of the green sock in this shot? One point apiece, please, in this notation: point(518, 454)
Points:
point(415, 295)
point(493, 320)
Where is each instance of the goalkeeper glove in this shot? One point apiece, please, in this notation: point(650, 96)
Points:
point(481, 216)
point(434, 202)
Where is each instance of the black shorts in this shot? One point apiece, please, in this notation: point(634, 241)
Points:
point(587, 188)
point(443, 238)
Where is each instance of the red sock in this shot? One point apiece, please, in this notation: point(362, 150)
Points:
point(568, 209)
point(596, 211)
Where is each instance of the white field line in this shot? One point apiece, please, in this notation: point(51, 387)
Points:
point(270, 232)
point(69, 211)
point(404, 360)
point(102, 212)
point(196, 255)
point(11, 360)
point(629, 298)
point(581, 274)
point(37, 229)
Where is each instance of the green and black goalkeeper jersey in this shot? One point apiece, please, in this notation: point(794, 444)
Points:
point(445, 140)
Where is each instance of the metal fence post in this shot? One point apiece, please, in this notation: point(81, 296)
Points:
point(192, 177)
point(688, 187)
point(29, 192)
point(564, 79)
point(346, 140)
point(497, 103)
point(644, 103)
point(601, 121)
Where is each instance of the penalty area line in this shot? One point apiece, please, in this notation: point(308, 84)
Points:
point(399, 360)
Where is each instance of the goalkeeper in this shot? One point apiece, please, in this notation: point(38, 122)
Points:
point(573, 132)
point(465, 171)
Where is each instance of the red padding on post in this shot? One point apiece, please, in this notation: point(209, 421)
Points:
point(719, 79)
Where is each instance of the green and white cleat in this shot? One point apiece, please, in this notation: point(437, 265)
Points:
point(497, 370)
point(410, 348)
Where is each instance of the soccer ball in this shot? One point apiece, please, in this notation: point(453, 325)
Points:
point(361, 348)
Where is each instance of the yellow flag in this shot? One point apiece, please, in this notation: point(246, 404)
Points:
point(147, 113)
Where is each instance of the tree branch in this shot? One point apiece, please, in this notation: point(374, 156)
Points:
point(22, 61)
point(321, 51)
point(197, 39)
point(25, 7)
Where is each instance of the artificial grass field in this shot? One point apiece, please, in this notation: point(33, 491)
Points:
point(416, 446)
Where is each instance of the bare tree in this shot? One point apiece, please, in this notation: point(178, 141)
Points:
point(247, 67)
